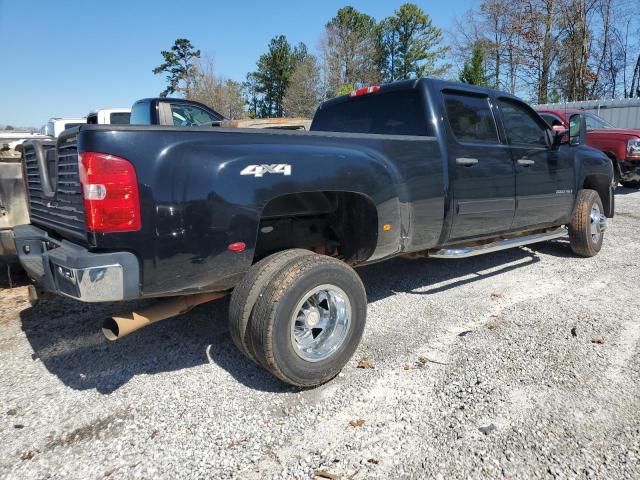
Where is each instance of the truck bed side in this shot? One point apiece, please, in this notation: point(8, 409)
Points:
point(195, 201)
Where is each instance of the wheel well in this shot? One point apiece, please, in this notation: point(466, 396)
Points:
point(340, 224)
point(614, 161)
point(600, 184)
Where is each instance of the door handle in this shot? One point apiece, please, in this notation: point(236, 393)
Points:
point(525, 162)
point(467, 162)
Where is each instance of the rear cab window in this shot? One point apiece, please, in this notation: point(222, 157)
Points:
point(119, 118)
point(390, 113)
point(470, 118)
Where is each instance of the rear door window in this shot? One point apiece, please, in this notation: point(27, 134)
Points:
point(390, 113)
point(471, 118)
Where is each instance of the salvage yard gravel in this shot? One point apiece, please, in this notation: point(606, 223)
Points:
point(520, 364)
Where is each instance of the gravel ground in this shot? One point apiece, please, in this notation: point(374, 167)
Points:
point(519, 364)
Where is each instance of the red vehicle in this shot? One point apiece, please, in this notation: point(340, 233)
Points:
point(621, 145)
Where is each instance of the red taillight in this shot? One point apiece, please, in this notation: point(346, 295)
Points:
point(110, 192)
point(365, 91)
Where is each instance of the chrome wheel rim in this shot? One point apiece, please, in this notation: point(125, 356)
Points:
point(320, 322)
point(598, 223)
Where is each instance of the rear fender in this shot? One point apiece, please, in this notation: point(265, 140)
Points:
point(261, 176)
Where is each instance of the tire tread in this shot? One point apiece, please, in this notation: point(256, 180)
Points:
point(580, 226)
point(247, 292)
point(263, 318)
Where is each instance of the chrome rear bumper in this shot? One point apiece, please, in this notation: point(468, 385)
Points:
point(68, 269)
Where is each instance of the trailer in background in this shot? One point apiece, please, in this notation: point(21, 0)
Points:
point(621, 113)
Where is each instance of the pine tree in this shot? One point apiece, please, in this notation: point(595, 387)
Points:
point(273, 75)
point(473, 71)
point(179, 66)
point(411, 44)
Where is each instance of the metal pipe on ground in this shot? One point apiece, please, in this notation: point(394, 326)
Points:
point(117, 327)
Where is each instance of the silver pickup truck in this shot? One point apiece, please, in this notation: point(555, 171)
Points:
point(13, 200)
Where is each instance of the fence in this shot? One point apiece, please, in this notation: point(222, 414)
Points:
point(622, 113)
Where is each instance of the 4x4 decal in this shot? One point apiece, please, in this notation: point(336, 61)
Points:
point(260, 170)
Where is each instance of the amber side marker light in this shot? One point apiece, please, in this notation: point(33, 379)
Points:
point(386, 227)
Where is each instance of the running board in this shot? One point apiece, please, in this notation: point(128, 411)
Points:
point(472, 251)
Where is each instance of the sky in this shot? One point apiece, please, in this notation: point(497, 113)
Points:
point(64, 58)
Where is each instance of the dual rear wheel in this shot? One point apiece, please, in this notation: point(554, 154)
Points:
point(299, 315)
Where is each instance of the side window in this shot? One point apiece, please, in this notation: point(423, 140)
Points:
point(521, 125)
point(552, 120)
point(190, 116)
point(141, 113)
point(471, 118)
point(593, 122)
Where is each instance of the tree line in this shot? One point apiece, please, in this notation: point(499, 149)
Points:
point(542, 50)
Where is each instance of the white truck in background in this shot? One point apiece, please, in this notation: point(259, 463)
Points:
point(109, 116)
point(13, 200)
point(103, 116)
point(55, 126)
point(13, 204)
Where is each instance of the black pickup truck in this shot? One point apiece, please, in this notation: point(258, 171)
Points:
point(423, 168)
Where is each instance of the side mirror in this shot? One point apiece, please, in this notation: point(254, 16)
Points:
point(560, 135)
point(577, 129)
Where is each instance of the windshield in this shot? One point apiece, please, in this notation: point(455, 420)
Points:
point(594, 122)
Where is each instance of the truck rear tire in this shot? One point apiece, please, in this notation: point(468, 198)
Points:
point(245, 294)
point(309, 321)
point(586, 231)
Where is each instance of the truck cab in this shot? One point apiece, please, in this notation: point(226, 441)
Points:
point(176, 112)
point(179, 112)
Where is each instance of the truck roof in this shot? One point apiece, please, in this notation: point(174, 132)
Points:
point(114, 110)
point(411, 84)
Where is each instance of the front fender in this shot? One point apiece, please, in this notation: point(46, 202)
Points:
point(594, 170)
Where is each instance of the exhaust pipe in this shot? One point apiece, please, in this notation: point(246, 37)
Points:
point(117, 327)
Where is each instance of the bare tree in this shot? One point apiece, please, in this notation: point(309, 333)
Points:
point(494, 27)
point(573, 49)
point(304, 92)
point(222, 94)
